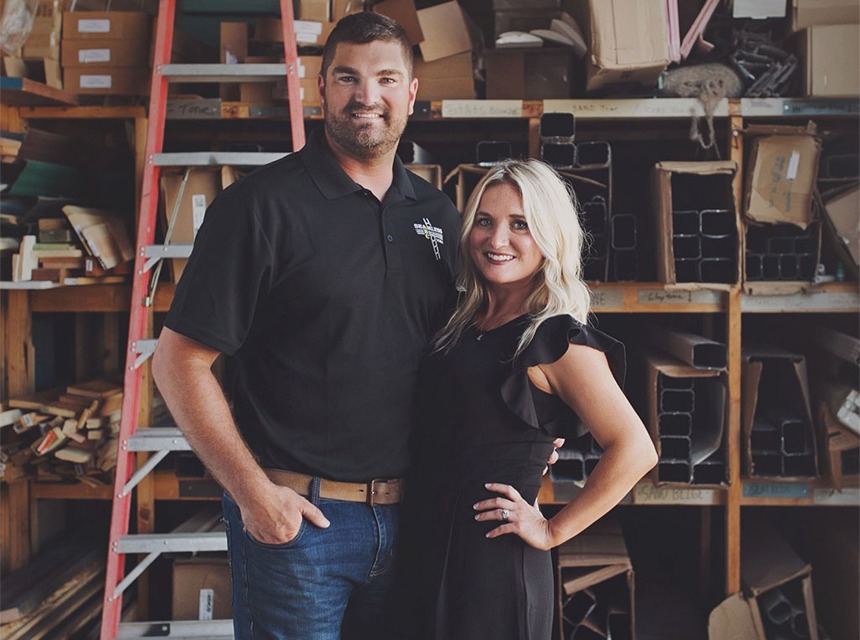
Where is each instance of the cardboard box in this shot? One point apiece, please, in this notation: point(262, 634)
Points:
point(468, 176)
point(444, 30)
point(341, 8)
point(775, 381)
point(840, 441)
point(432, 173)
point(628, 40)
point(233, 50)
point(117, 81)
point(105, 53)
point(697, 186)
point(831, 60)
point(450, 78)
point(708, 416)
point(756, 280)
point(781, 173)
point(523, 18)
point(308, 32)
point(310, 67)
point(768, 563)
point(204, 183)
point(107, 25)
point(201, 589)
point(44, 38)
point(806, 13)
point(596, 562)
point(257, 92)
point(842, 219)
point(314, 10)
point(403, 12)
point(528, 74)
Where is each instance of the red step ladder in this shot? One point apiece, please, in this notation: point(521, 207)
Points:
point(160, 441)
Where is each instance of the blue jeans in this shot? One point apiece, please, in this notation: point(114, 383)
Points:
point(326, 584)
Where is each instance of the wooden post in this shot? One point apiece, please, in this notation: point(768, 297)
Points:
point(733, 344)
point(18, 365)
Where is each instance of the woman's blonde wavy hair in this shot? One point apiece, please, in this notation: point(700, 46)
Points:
point(550, 209)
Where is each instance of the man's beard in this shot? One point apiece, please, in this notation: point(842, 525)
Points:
point(361, 139)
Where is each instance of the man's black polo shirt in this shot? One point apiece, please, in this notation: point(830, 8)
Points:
point(325, 298)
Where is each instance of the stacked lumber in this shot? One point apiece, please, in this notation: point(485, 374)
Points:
point(64, 434)
point(59, 593)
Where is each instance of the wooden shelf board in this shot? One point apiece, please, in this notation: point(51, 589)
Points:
point(69, 491)
point(25, 92)
point(82, 113)
point(644, 494)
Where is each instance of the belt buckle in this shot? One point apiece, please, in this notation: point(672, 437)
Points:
point(374, 488)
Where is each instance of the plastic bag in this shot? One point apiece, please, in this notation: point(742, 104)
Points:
point(16, 24)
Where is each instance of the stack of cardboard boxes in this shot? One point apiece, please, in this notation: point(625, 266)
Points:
point(42, 47)
point(106, 52)
point(828, 43)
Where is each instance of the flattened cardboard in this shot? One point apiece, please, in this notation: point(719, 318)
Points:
point(448, 78)
point(663, 202)
point(781, 174)
point(204, 183)
point(733, 619)
point(445, 32)
point(403, 12)
point(793, 367)
point(806, 13)
point(234, 50)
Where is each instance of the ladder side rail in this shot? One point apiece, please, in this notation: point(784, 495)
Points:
point(291, 56)
point(121, 510)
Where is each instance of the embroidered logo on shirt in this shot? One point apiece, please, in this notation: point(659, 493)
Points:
point(433, 234)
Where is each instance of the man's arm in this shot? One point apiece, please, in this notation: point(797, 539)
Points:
point(182, 369)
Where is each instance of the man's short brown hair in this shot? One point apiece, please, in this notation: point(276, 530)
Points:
point(364, 27)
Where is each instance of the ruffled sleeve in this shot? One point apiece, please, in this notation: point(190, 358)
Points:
point(550, 343)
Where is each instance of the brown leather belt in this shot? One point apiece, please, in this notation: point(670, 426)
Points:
point(381, 492)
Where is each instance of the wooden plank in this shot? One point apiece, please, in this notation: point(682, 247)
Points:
point(82, 113)
point(97, 298)
point(733, 343)
point(25, 92)
point(68, 491)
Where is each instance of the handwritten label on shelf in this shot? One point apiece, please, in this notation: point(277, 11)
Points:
point(845, 497)
point(661, 296)
point(812, 301)
point(607, 298)
point(482, 109)
point(644, 108)
point(792, 107)
point(649, 494)
point(193, 109)
point(776, 490)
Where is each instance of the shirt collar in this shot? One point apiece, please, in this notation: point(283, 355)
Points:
point(332, 180)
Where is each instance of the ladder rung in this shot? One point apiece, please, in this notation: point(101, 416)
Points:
point(167, 250)
point(173, 542)
point(158, 439)
point(243, 72)
point(215, 629)
point(206, 158)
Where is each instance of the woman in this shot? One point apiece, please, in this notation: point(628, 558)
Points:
point(514, 368)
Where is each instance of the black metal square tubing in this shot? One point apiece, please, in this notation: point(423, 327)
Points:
point(624, 232)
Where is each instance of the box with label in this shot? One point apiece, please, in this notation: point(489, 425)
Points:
point(806, 13)
point(203, 184)
point(781, 174)
point(104, 53)
point(527, 74)
point(831, 60)
point(201, 589)
point(98, 80)
point(107, 25)
point(448, 78)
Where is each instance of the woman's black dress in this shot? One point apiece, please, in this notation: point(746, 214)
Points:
point(483, 421)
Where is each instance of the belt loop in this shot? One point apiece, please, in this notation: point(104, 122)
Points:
point(315, 491)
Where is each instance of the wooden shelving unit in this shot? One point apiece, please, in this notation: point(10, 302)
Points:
point(728, 304)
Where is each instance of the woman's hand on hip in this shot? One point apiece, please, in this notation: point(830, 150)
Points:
point(516, 516)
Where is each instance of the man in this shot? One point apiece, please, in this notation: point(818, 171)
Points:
point(323, 276)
